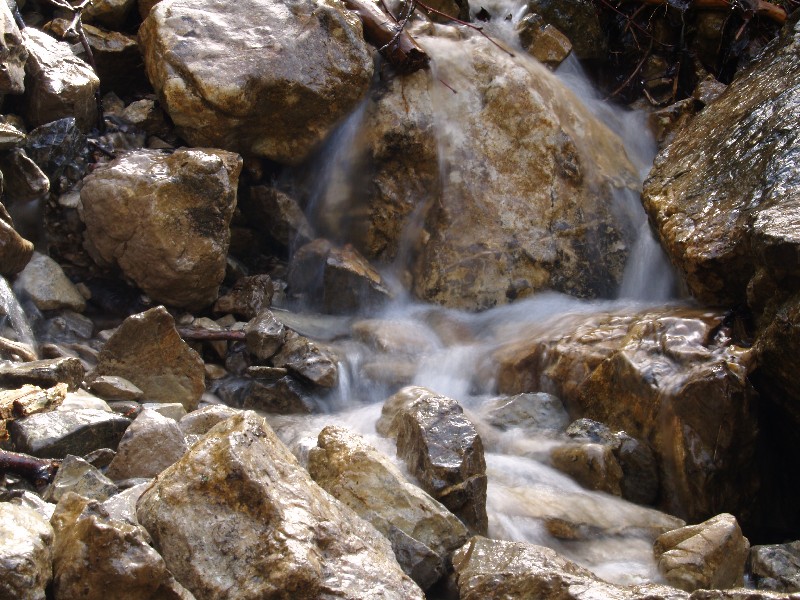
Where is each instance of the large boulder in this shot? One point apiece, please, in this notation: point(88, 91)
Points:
point(671, 378)
point(520, 189)
point(724, 196)
point(264, 78)
point(238, 518)
point(163, 219)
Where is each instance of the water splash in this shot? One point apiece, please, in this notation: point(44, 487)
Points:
point(16, 316)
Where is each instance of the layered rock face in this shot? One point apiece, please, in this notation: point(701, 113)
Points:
point(259, 78)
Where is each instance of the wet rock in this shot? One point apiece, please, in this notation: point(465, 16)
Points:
point(335, 280)
point(312, 64)
point(264, 335)
point(111, 387)
point(723, 214)
point(708, 90)
point(539, 412)
point(442, 450)
point(423, 533)
point(23, 180)
point(48, 287)
point(244, 505)
point(308, 360)
point(15, 251)
point(57, 83)
point(594, 466)
point(395, 337)
point(579, 21)
point(543, 41)
point(163, 219)
point(61, 151)
point(710, 555)
point(44, 373)
point(10, 136)
point(77, 475)
point(283, 396)
point(199, 422)
point(25, 556)
point(489, 569)
point(58, 433)
point(109, 13)
point(97, 557)
point(665, 379)
point(511, 211)
point(151, 444)
point(248, 297)
point(122, 506)
point(776, 567)
point(278, 215)
point(13, 55)
point(147, 350)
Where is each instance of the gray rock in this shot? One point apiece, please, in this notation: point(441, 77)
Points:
point(244, 505)
point(310, 361)
point(61, 151)
point(163, 219)
point(10, 136)
point(171, 410)
point(249, 297)
point(58, 433)
point(77, 475)
point(15, 251)
point(442, 450)
point(776, 567)
point(44, 373)
point(23, 180)
point(200, 421)
point(59, 84)
point(422, 531)
point(148, 351)
point(534, 411)
point(13, 54)
point(264, 335)
point(151, 444)
point(25, 556)
point(111, 387)
point(278, 215)
point(48, 287)
point(122, 506)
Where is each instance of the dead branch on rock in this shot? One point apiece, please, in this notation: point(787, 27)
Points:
point(39, 471)
point(210, 335)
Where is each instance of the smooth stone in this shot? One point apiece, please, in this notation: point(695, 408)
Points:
point(200, 421)
point(111, 387)
point(44, 281)
point(532, 411)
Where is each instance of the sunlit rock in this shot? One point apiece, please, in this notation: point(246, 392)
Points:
point(171, 410)
point(97, 557)
point(248, 297)
point(77, 475)
point(163, 219)
point(543, 41)
point(335, 280)
point(256, 77)
point(259, 527)
point(13, 54)
point(147, 350)
point(422, 531)
point(112, 387)
point(200, 421)
point(504, 188)
point(44, 282)
point(710, 555)
point(494, 569)
point(25, 555)
point(724, 197)
point(23, 180)
point(151, 444)
point(441, 448)
point(308, 360)
point(58, 83)
point(776, 567)
point(45, 373)
point(672, 379)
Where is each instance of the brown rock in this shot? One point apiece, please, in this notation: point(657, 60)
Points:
point(308, 360)
point(543, 41)
point(25, 553)
point(279, 215)
point(13, 54)
point(264, 335)
point(594, 466)
point(15, 251)
point(248, 297)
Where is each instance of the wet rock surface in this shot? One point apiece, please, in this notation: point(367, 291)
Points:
point(25, 553)
point(776, 566)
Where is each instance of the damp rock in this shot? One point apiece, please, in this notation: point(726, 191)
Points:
point(709, 555)
point(44, 282)
point(776, 567)
point(13, 54)
point(594, 466)
point(579, 21)
point(77, 475)
point(312, 63)
point(58, 83)
point(23, 180)
point(308, 360)
point(61, 150)
point(543, 41)
point(44, 373)
point(396, 337)
point(248, 297)
point(148, 351)
point(264, 335)
point(441, 448)
point(200, 421)
point(244, 486)
point(284, 395)
point(532, 411)
point(25, 551)
point(108, 13)
point(15, 250)
point(163, 219)
point(278, 215)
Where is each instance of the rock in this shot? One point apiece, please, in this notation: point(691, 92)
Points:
point(122, 506)
point(442, 450)
point(61, 151)
point(423, 533)
point(151, 444)
point(10, 135)
point(15, 251)
point(493, 569)
point(13, 55)
point(58, 433)
point(147, 116)
point(44, 373)
point(720, 230)
point(23, 180)
point(663, 377)
point(33, 501)
point(579, 21)
point(118, 60)
point(278, 215)
point(28, 400)
point(145, 6)
point(543, 41)
point(776, 567)
point(396, 337)
point(312, 65)
point(710, 555)
point(111, 387)
point(594, 466)
point(170, 410)
point(335, 280)
point(48, 287)
point(199, 422)
point(25, 539)
point(109, 13)
point(511, 210)
point(284, 396)
point(244, 505)
point(58, 83)
point(533, 411)
point(308, 360)
point(264, 335)
point(77, 475)
point(163, 219)
point(248, 297)
point(708, 90)
point(97, 557)
point(147, 350)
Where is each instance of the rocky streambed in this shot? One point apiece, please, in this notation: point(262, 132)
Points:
point(282, 322)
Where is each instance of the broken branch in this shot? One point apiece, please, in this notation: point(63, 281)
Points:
point(40, 471)
point(210, 335)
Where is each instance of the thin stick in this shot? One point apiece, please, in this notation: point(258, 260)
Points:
point(38, 470)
